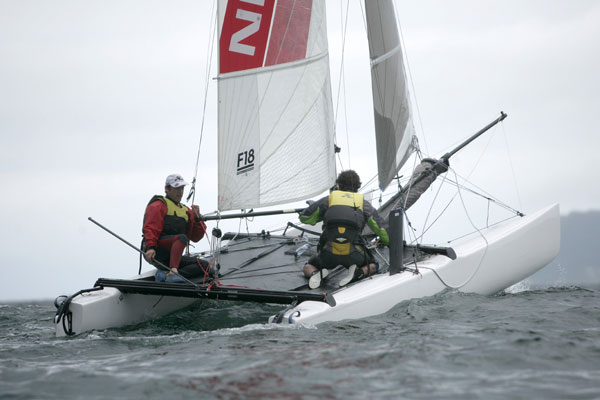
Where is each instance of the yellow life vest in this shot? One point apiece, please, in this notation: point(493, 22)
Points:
point(177, 217)
point(341, 198)
point(173, 209)
point(344, 220)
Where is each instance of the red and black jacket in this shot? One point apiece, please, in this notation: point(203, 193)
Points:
point(165, 217)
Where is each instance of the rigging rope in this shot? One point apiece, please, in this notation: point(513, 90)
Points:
point(212, 33)
point(482, 256)
point(410, 78)
point(512, 168)
point(488, 197)
point(342, 84)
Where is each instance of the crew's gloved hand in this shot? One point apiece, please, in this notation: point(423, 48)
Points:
point(441, 166)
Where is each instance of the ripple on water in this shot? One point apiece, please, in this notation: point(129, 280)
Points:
point(532, 343)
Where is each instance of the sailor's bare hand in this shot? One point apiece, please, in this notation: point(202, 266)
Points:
point(196, 211)
point(150, 254)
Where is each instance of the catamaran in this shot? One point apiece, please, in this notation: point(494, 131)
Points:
point(276, 145)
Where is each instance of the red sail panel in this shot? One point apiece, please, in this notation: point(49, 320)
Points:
point(289, 34)
point(244, 34)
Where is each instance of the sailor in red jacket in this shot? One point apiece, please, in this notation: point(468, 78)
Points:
point(168, 228)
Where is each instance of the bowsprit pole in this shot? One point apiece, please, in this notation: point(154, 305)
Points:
point(475, 136)
point(158, 263)
point(443, 160)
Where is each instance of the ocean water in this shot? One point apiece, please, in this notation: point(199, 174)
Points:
point(523, 344)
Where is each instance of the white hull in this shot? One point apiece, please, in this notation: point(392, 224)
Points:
point(109, 308)
point(513, 252)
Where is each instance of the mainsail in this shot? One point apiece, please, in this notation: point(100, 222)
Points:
point(394, 129)
point(275, 107)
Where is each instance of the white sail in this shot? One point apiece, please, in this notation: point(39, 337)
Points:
point(275, 107)
point(394, 128)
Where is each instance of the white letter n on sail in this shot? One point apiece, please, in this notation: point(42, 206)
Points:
point(237, 37)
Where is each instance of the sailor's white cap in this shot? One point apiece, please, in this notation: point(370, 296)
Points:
point(175, 180)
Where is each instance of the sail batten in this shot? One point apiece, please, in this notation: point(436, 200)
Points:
point(385, 56)
point(271, 68)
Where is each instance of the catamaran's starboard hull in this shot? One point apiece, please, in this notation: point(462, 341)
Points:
point(508, 254)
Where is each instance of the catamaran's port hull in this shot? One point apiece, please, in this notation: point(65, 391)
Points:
point(110, 308)
point(508, 254)
point(505, 255)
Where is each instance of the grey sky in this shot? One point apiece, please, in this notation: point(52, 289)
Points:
point(100, 100)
